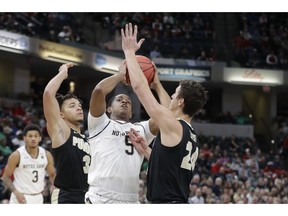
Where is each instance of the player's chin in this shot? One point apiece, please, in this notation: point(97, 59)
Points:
point(80, 120)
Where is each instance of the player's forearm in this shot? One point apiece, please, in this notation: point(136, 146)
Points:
point(147, 153)
point(136, 75)
point(108, 84)
point(164, 98)
point(9, 184)
point(52, 178)
point(54, 84)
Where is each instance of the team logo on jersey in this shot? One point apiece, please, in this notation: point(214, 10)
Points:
point(81, 144)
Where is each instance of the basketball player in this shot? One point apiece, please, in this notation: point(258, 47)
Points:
point(175, 149)
point(71, 150)
point(115, 165)
point(29, 164)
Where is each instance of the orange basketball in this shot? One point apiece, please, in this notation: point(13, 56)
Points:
point(146, 66)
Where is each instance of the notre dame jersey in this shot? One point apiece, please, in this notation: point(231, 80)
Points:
point(170, 168)
point(115, 163)
point(72, 161)
point(29, 176)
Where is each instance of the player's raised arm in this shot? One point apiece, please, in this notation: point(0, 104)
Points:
point(97, 101)
point(165, 119)
point(57, 128)
point(163, 96)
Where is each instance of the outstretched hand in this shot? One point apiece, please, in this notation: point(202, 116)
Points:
point(156, 80)
point(138, 141)
point(64, 68)
point(129, 38)
point(122, 71)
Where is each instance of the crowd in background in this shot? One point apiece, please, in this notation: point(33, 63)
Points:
point(47, 26)
point(259, 41)
point(262, 41)
point(229, 169)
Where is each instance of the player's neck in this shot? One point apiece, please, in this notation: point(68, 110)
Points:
point(181, 115)
point(75, 127)
point(33, 152)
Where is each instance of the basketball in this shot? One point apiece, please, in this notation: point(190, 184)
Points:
point(146, 66)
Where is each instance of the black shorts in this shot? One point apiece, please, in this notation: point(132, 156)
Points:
point(63, 196)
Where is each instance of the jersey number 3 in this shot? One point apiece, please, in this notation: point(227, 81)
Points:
point(86, 160)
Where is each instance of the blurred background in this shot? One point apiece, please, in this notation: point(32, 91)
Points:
point(241, 59)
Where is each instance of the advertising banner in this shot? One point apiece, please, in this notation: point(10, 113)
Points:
point(13, 42)
point(253, 76)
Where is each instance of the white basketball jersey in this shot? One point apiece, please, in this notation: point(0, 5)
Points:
point(29, 176)
point(115, 164)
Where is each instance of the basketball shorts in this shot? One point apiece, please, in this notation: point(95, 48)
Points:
point(30, 199)
point(100, 196)
point(60, 196)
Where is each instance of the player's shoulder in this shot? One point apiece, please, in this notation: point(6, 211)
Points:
point(141, 122)
point(14, 156)
point(21, 149)
point(41, 149)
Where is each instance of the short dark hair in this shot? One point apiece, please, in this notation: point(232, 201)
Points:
point(31, 127)
point(194, 95)
point(113, 98)
point(61, 98)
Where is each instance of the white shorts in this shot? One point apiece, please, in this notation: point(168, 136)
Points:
point(98, 196)
point(30, 199)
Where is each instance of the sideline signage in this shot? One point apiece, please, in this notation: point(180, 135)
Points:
point(56, 51)
point(13, 41)
point(253, 76)
point(177, 73)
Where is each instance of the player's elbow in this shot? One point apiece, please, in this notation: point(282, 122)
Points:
point(139, 87)
point(97, 90)
point(48, 93)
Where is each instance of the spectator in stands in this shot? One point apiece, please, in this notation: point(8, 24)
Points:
point(4, 148)
point(18, 141)
point(217, 187)
point(155, 53)
point(18, 110)
point(66, 34)
point(157, 25)
point(271, 59)
point(168, 20)
point(197, 198)
point(202, 56)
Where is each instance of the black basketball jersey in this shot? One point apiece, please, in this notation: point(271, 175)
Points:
point(72, 161)
point(170, 168)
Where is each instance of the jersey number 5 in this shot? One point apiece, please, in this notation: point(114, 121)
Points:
point(128, 143)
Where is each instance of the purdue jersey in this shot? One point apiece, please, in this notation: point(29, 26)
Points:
point(29, 176)
point(72, 161)
point(170, 168)
point(115, 164)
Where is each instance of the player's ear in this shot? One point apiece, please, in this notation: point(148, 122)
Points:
point(181, 102)
point(61, 115)
point(109, 109)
